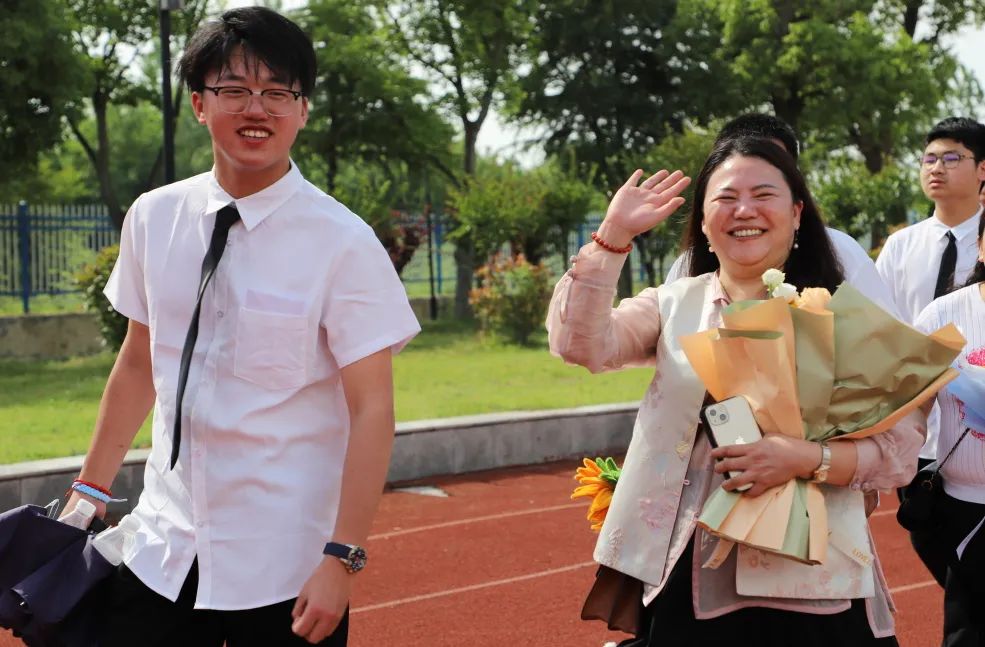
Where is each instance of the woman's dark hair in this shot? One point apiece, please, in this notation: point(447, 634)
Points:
point(812, 264)
point(978, 274)
point(265, 37)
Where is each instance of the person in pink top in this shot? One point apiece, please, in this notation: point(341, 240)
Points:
point(752, 211)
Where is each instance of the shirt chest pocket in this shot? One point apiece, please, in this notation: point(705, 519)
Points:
point(271, 348)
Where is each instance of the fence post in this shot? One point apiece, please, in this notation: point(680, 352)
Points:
point(438, 241)
point(24, 252)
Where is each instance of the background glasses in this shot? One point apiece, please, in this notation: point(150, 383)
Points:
point(234, 99)
point(950, 159)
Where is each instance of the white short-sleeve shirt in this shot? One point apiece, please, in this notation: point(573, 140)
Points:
point(303, 289)
point(860, 271)
point(909, 263)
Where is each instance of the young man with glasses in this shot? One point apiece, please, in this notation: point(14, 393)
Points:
point(263, 315)
point(926, 260)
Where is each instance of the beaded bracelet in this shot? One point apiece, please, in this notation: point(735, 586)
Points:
point(610, 248)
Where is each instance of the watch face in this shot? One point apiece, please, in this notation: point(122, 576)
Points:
point(356, 559)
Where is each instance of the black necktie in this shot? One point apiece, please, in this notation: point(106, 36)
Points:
point(225, 219)
point(945, 276)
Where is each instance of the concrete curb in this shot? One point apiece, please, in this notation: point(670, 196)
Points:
point(421, 449)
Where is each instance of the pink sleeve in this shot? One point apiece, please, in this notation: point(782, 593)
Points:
point(889, 460)
point(583, 327)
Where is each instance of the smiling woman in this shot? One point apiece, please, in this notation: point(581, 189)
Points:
point(752, 213)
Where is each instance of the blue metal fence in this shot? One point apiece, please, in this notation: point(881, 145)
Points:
point(42, 246)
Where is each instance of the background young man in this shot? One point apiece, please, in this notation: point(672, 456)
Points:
point(263, 315)
point(925, 260)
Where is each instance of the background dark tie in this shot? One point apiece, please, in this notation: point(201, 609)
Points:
point(225, 219)
point(945, 276)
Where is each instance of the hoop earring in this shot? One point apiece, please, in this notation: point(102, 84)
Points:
point(796, 234)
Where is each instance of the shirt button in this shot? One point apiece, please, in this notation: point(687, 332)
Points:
point(220, 314)
point(200, 524)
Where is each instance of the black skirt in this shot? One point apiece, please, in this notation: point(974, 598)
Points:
point(669, 622)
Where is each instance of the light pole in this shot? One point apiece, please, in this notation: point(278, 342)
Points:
point(167, 109)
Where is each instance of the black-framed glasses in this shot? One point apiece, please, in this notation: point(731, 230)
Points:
point(949, 159)
point(234, 99)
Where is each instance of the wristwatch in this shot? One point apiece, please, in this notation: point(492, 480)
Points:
point(821, 473)
point(352, 557)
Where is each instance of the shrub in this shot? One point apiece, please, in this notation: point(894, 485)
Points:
point(92, 279)
point(512, 301)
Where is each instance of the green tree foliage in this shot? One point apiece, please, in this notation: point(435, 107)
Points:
point(470, 51)
point(532, 211)
point(610, 80)
point(40, 77)
point(606, 82)
point(110, 36)
point(856, 201)
point(854, 78)
point(366, 106)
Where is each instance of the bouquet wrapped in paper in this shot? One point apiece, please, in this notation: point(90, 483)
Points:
point(817, 367)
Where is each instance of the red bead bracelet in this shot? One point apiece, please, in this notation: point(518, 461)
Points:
point(610, 248)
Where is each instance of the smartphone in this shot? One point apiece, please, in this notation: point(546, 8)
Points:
point(730, 422)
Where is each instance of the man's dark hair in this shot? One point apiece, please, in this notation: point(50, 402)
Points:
point(758, 124)
point(967, 132)
point(812, 264)
point(263, 35)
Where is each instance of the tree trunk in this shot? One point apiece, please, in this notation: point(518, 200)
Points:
point(106, 190)
point(464, 271)
point(464, 248)
point(332, 159)
point(910, 15)
point(624, 289)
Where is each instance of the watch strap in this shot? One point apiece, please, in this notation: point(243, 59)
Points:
point(336, 549)
point(821, 473)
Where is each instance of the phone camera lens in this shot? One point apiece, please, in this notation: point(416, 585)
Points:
point(723, 417)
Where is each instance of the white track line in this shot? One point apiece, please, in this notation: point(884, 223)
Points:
point(910, 587)
point(554, 571)
point(474, 587)
point(462, 522)
point(882, 513)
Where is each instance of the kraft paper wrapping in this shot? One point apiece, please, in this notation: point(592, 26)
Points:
point(848, 371)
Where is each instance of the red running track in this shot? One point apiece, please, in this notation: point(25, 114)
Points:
point(505, 560)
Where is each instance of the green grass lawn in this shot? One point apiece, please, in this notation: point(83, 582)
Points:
point(47, 409)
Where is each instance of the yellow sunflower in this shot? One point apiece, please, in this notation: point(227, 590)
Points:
point(597, 481)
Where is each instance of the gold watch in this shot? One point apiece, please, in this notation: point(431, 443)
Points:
point(821, 473)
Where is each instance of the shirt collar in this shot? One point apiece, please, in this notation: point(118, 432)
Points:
point(257, 206)
point(967, 228)
point(718, 293)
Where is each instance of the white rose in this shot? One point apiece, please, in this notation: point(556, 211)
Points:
point(786, 291)
point(773, 277)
